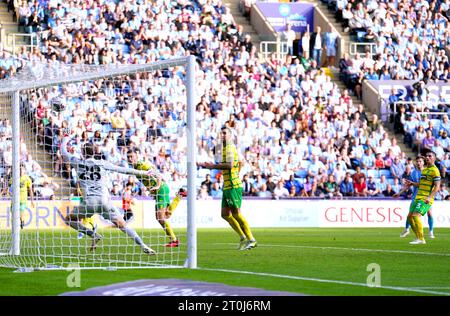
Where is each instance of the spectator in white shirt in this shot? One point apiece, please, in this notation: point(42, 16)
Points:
point(280, 191)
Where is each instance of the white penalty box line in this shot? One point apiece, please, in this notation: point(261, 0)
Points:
point(352, 249)
point(395, 288)
point(292, 277)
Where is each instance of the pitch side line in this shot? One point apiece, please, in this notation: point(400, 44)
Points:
point(353, 249)
point(364, 249)
point(394, 288)
point(432, 287)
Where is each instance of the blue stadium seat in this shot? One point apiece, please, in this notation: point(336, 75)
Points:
point(373, 173)
point(97, 127)
point(364, 171)
point(436, 122)
point(201, 173)
point(107, 128)
point(301, 174)
point(386, 172)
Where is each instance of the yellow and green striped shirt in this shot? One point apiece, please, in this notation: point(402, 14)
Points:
point(25, 183)
point(426, 184)
point(231, 177)
point(145, 165)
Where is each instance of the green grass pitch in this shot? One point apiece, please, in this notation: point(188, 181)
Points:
point(311, 261)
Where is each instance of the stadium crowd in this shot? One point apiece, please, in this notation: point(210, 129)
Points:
point(297, 133)
point(43, 186)
point(405, 40)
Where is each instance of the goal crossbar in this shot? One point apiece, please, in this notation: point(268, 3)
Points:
point(43, 74)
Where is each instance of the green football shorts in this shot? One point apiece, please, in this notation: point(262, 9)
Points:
point(232, 198)
point(419, 207)
point(22, 207)
point(162, 196)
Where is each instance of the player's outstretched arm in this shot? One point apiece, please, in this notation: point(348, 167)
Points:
point(227, 165)
point(220, 166)
point(148, 174)
point(403, 190)
point(112, 167)
point(408, 182)
point(406, 185)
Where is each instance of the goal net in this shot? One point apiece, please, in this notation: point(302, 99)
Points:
point(133, 117)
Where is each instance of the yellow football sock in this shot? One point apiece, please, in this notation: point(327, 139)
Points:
point(413, 225)
point(234, 224)
point(88, 222)
point(173, 205)
point(169, 231)
point(244, 225)
point(419, 226)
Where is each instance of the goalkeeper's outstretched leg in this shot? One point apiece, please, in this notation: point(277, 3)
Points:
point(75, 219)
point(89, 223)
point(115, 217)
point(128, 215)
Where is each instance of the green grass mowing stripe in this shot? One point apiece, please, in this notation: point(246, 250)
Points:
point(347, 265)
point(395, 288)
point(313, 263)
point(351, 249)
point(36, 283)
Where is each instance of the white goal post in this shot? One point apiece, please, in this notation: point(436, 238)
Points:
point(59, 248)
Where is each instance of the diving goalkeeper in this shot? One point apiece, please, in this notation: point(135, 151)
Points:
point(93, 176)
point(160, 190)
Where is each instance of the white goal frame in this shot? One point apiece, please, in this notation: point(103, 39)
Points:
point(39, 75)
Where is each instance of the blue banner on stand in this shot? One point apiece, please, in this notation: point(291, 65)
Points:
point(298, 14)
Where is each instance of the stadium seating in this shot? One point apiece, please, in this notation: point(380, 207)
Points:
point(284, 106)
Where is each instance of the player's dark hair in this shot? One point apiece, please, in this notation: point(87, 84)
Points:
point(427, 151)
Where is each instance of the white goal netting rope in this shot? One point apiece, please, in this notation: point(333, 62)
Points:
point(139, 109)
